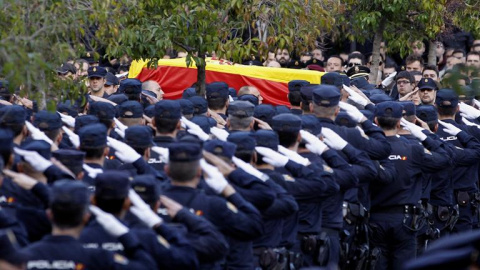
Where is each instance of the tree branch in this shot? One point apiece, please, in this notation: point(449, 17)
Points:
point(183, 46)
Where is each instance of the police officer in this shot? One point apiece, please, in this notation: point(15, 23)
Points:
point(325, 106)
point(258, 190)
point(130, 113)
point(72, 159)
point(264, 112)
point(217, 97)
point(209, 244)
point(111, 84)
point(465, 177)
point(438, 150)
point(200, 105)
point(393, 219)
point(250, 98)
point(253, 189)
point(294, 95)
point(232, 215)
point(132, 88)
point(428, 90)
point(167, 246)
point(308, 240)
point(13, 117)
point(93, 141)
point(139, 138)
point(306, 94)
point(50, 124)
point(69, 213)
point(186, 107)
point(167, 123)
point(444, 209)
point(96, 81)
point(346, 171)
point(240, 116)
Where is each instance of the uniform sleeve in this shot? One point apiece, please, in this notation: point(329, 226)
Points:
point(136, 256)
point(474, 131)
point(8, 222)
point(283, 205)
point(170, 248)
point(321, 182)
point(208, 242)
point(252, 189)
point(429, 162)
point(42, 192)
point(386, 172)
point(376, 145)
point(236, 217)
point(344, 172)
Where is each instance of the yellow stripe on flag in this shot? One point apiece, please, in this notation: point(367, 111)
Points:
point(283, 75)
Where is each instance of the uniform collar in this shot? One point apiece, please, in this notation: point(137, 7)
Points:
point(163, 139)
point(59, 238)
point(325, 120)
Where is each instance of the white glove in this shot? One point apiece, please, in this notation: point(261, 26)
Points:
point(72, 136)
point(92, 172)
point(195, 129)
point(221, 134)
point(214, 178)
point(37, 134)
point(123, 151)
point(120, 127)
point(67, 120)
point(249, 169)
point(293, 156)
point(33, 158)
point(389, 80)
point(314, 144)
point(199, 133)
point(163, 152)
point(109, 223)
point(449, 128)
point(352, 111)
point(355, 97)
point(476, 102)
point(142, 210)
point(333, 140)
point(468, 123)
point(120, 132)
point(230, 98)
point(468, 111)
point(414, 129)
point(272, 157)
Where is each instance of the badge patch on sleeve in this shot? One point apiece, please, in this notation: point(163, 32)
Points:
point(120, 259)
point(287, 177)
point(163, 241)
point(427, 151)
point(232, 207)
point(327, 168)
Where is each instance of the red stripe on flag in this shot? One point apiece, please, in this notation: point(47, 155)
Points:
point(174, 80)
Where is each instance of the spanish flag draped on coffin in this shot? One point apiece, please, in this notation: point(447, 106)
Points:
point(174, 77)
